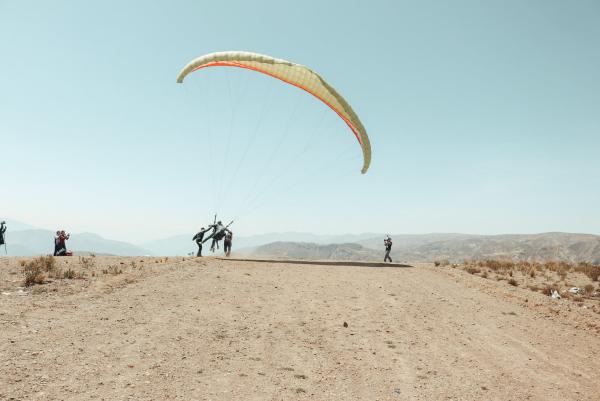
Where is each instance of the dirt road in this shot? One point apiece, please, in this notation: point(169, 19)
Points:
point(220, 330)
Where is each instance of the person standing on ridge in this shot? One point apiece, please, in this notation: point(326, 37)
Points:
point(227, 243)
point(388, 248)
point(56, 242)
point(198, 238)
point(62, 243)
point(219, 231)
point(2, 231)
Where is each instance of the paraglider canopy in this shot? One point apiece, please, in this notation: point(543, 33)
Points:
point(293, 74)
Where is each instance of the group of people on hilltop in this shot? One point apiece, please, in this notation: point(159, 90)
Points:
point(60, 243)
point(60, 240)
point(219, 232)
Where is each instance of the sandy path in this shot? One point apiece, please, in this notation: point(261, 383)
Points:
point(218, 330)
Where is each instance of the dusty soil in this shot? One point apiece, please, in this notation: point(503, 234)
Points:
point(206, 329)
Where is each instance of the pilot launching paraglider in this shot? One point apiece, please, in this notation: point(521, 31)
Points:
point(219, 231)
point(198, 238)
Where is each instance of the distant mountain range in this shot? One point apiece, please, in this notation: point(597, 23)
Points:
point(26, 240)
point(182, 244)
point(453, 247)
point(312, 251)
point(458, 247)
point(30, 241)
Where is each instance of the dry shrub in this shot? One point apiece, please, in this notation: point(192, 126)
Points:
point(497, 265)
point(559, 267)
point(22, 263)
point(87, 263)
point(531, 272)
point(34, 270)
point(589, 289)
point(513, 282)
point(590, 270)
point(484, 275)
point(33, 275)
point(47, 263)
point(444, 262)
point(547, 290)
point(112, 269)
point(69, 274)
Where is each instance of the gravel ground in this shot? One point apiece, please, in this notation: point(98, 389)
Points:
point(208, 329)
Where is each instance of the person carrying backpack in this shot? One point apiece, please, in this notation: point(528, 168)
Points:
point(388, 248)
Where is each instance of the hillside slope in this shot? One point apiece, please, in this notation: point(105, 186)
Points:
point(454, 247)
point(458, 247)
point(311, 251)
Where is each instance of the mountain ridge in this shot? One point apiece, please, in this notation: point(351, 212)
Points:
point(457, 248)
point(573, 247)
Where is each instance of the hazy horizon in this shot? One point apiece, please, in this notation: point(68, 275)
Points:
point(483, 118)
point(316, 234)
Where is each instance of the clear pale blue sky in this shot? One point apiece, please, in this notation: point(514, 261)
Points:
point(484, 117)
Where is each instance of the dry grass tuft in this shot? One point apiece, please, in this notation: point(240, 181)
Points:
point(497, 265)
point(547, 290)
point(69, 274)
point(513, 282)
point(33, 275)
point(36, 270)
point(444, 262)
point(112, 269)
point(472, 270)
point(87, 263)
point(590, 270)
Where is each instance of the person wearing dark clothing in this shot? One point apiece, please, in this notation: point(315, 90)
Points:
point(62, 243)
point(214, 228)
point(219, 231)
point(198, 238)
point(2, 231)
point(388, 248)
point(2, 238)
point(227, 243)
point(56, 243)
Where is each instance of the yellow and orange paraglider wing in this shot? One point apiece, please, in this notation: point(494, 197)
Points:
point(293, 74)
